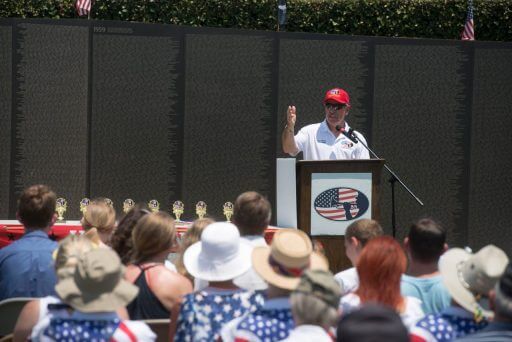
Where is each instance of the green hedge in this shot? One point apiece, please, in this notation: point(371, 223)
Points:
point(392, 18)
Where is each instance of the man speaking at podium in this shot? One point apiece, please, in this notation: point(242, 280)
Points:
point(328, 139)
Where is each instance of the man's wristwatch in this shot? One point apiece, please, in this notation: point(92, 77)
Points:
point(289, 129)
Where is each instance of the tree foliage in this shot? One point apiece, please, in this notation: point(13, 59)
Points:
point(442, 19)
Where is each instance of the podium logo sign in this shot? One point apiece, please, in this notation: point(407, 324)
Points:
point(341, 204)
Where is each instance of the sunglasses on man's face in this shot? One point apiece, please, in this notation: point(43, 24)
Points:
point(332, 107)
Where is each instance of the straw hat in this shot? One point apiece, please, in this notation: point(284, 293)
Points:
point(289, 255)
point(220, 255)
point(97, 284)
point(469, 276)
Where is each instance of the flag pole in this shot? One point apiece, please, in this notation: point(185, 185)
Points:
point(281, 15)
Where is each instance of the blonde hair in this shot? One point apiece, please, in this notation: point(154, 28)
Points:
point(68, 254)
point(99, 215)
point(191, 236)
point(153, 234)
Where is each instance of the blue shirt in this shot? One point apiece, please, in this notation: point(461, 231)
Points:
point(495, 331)
point(203, 313)
point(26, 267)
point(272, 322)
point(433, 294)
point(451, 323)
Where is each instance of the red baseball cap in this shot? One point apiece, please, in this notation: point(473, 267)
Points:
point(337, 95)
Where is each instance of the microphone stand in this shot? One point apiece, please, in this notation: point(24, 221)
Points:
point(394, 178)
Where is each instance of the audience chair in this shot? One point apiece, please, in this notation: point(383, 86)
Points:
point(160, 327)
point(10, 309)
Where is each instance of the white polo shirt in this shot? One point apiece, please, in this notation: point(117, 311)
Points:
point(317, 142)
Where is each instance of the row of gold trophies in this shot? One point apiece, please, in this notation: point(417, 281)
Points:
point(177, 207)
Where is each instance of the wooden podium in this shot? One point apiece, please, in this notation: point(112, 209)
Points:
point(306, 171)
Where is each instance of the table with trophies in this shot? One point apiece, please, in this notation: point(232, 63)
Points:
point(11, 230)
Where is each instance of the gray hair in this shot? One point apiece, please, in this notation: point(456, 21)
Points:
point(308, 309)
point(503, 303)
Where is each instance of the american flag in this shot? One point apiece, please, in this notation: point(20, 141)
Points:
point(469, 27)
point(334, 203)
point(83, 7)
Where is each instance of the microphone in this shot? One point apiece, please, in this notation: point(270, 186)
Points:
point(350, 134)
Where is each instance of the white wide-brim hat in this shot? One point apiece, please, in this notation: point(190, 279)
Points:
point(469, 276)
point(220, 255)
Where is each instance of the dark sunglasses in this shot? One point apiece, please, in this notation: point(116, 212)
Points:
point(334, 106)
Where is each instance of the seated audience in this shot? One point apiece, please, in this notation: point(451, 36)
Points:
point(500, 299)
point(219, 257)
point(251, 215)
point(93, 294)
point(281, 266)
point(191, 236)
point(26, 265)
point(357, 235)
point(468, 278)
point(160, 289)
point(424, 245)
point(99, 222)
point(380, 267)
point(372, 323)
point(66, 257)
point(314, 307)
point(121, 240)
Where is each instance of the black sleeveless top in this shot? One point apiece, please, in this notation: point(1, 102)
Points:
point(146, 305)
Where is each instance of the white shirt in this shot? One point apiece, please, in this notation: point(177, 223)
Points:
point(410, 316)
point(317, 142)
point(308, 333)
point(348, 280)
point(250, 280)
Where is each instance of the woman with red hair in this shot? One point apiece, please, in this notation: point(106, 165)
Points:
point(380, 268)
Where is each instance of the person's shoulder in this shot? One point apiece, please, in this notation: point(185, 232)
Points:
point(347, 279)
point(311, 127)
point(169, 279)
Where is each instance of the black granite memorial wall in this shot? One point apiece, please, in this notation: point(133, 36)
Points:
point(100, 108)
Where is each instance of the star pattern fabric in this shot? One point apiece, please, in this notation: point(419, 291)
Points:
point(445, 327)
point(68, 329)
point(265, 325)
point(202, 314)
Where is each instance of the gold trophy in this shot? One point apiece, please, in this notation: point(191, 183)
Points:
point(228, 210)
point(200, 209)
point(84, 202)
point(154, 206)
point(60, 208)
point(177, 209)
point(109, 202)
point(128, 204)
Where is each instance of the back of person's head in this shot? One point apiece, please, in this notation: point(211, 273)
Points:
point(380, 267)
point(316, 299)
point(99, 215)
point(372, 323)
point(503, 296)
point(251, 213)
point(191, 236)
point(426, 240)
point(68, 254)
point(36, 207)
point(121, 240)
point(153, 234)
point(364, 230)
